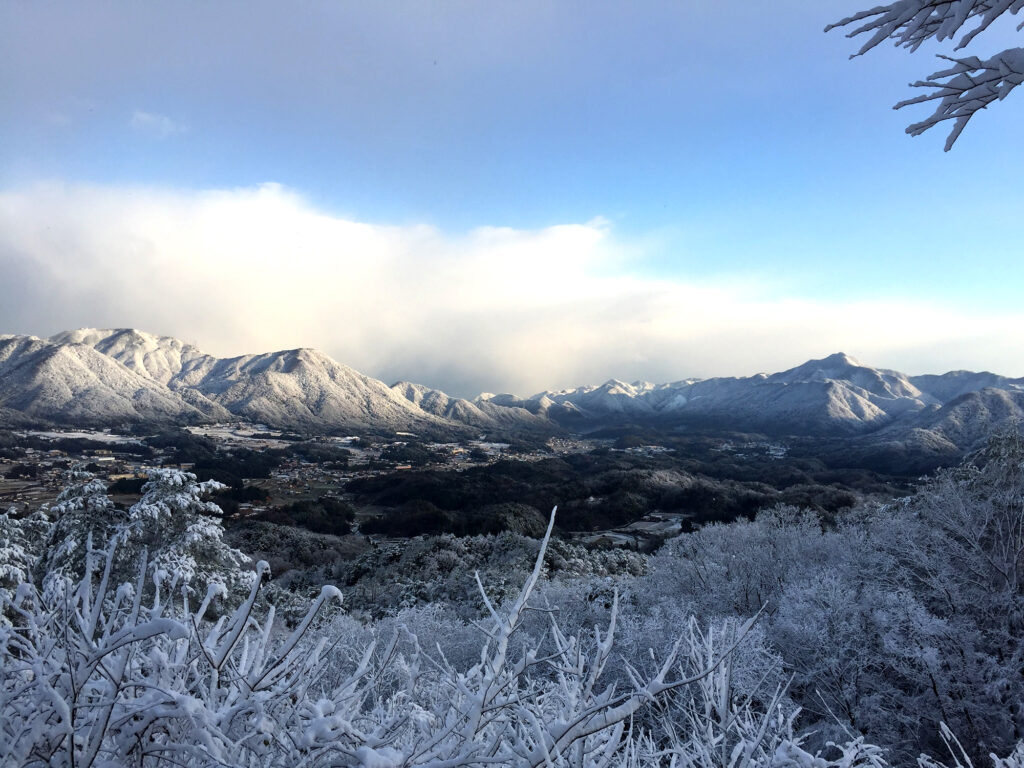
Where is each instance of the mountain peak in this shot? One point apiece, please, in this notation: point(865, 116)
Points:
point(837, 366)
point(841, 358)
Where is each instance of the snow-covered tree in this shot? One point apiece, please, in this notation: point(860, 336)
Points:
point(19, 550)
point(971, 83)
point(83, 517)
point(181, 532)
point(958, 547)
point(899, 618)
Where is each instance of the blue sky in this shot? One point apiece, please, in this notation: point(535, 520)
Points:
point(733, 147)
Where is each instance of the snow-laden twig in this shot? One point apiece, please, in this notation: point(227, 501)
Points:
point(971, 84)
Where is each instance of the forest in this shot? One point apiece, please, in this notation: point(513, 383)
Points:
point(605, 488)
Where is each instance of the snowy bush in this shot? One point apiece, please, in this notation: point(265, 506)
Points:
point(84, 516)
point(894, 621)
point(18, 550)
point(95, 674)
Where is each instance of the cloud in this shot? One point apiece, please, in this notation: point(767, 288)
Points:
point(156, 125)
point(496, 309)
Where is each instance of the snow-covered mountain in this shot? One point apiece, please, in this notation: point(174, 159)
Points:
point(886, 411)
point(834, 395)
point(480, 414)
point(138, 376)
point(92, 376)
point(971, 417)
point(304, 387)
point(947, 386)
point(99, 377)
point(161, 358)
point(52, 381)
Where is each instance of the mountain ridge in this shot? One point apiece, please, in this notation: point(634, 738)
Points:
point(104, 376)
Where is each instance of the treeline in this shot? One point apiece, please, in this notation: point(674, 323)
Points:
point(815, 455)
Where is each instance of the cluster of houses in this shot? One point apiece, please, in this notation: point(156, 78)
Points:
point(37, 477)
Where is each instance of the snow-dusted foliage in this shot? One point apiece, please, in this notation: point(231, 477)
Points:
point(93, 676)
point(968, 86)
point(19, 542)
point(898, 620)
point(774, 643)
point(97, 674)
point(961, 759)
point(83, 517)
point(432, 569)
point(182, 533)
point(957, 547)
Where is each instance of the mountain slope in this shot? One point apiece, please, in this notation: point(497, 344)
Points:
point(968, 419)
point(75, 383)
point(947, 386)
point(303, 387)
point(161, 358)
point(480, 414)
point(835, 394)
point(136, 376)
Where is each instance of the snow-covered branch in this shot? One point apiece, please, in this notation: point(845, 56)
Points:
point(965, 88)
point(909, 23)
point(971, 84)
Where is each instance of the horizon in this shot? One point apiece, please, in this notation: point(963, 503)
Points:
point(853, 359)
point(495, 198)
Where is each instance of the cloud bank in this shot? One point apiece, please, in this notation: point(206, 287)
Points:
point(492, 309)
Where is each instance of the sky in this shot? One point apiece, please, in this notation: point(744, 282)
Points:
point(484, 196)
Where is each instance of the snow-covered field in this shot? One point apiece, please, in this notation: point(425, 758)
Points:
point(99, 436)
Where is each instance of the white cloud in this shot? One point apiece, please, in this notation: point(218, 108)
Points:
point(156, 125)
point(250, 270)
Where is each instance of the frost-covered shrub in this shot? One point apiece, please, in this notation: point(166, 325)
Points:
point(93, 675)
point(83, 517)
point(19, 550)
point(957, 547)
point(97, 674)
point(961, 759)
point(296, 555)
point(433, 569)
point(181, 532)
point(892, 622)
